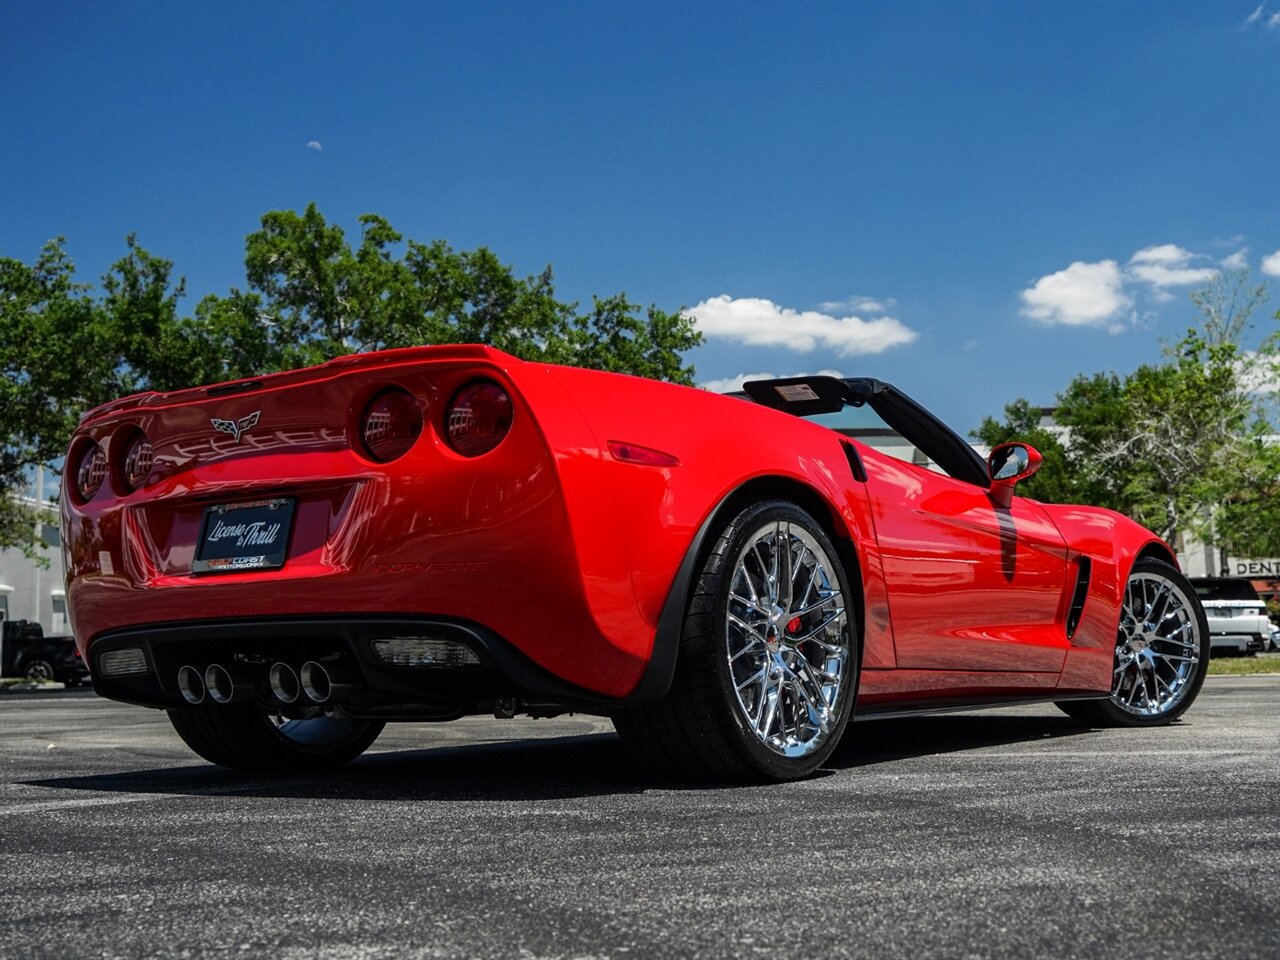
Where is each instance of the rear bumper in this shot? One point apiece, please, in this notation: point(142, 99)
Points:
point(250, 647)
point(1237, 642)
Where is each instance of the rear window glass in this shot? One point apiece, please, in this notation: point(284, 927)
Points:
point(1225, 590)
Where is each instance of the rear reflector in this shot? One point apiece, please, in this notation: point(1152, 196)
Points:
point(631, 453)
point(123, 663)
point(424, 652)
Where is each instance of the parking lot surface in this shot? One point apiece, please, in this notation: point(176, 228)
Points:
point(1006, 833)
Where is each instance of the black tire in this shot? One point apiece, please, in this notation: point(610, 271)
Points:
point(1190, 632)
point(245, 737)
point(40, 671)
point(702, 728)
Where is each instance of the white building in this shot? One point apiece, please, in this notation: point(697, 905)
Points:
point(30, 591)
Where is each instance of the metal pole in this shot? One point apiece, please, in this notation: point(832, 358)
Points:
point(39, 534)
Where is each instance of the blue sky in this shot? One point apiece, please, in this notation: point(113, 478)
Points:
point(976, 201)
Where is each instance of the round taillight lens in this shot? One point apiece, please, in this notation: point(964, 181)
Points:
point(138, 462)
point(478, 418)
point(390, 425)
point(93, 470)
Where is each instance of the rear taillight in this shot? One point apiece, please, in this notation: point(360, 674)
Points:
point(390, 425)
point(92, 471)
point(138, 462)
point(478, 418)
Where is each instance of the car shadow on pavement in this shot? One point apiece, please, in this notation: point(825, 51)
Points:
point(875, 741)
point(553, 768)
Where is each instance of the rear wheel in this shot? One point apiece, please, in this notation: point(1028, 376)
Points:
point(764, 682)
point(247, 737)
point(1161, 656)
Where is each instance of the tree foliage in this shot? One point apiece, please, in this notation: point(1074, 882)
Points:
point(309, 296)
point(1058, 480)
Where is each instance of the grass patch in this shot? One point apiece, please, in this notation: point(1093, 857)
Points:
point(1242, 666)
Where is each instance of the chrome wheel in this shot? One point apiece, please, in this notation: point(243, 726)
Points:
point(787, 638)
point(1159, 648)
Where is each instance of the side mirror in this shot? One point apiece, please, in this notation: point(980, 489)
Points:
point(1007, 464)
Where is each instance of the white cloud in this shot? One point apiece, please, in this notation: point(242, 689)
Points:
point(1084, 294)
point(730, 384)
point(1270, 21)
point(1167, 265)
point(314, 145)
point(1096, 294)
point(763, 323)
point(1166, 253)
point(1237, 260)
point(856, 304)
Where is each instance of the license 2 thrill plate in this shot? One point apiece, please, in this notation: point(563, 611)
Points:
point(244, 536)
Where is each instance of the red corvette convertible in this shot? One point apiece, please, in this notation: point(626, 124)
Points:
point(286, 564)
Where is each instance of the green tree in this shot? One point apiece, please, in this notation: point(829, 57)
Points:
point(51, 354)
point(309, 296)
point(1184, 446)
point(1183, 437)
point(1247, 523)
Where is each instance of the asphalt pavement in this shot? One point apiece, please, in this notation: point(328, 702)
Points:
point(1007, 833)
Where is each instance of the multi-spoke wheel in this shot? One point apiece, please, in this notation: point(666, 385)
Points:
point(785, 637)
point(765, 680)
point(1162, 651)
point(249, 737)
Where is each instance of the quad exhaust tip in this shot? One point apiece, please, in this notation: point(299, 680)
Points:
point(284, 682)
point(234, 685)
point(229, 686)
point(323, 685)
point(191, 685)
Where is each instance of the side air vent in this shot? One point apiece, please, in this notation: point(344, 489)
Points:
point(1084, 566)
point(855, 462)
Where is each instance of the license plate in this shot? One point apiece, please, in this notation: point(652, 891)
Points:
point(244, 536)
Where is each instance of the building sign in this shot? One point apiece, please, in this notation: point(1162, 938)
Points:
point(1242, 567)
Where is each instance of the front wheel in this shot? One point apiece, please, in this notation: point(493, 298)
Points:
point(247, 737)
point(1161, 655)
point(767, 669)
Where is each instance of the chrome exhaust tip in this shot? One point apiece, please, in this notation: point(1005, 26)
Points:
point(191, 685)
point(323, 685)
point(284, 682)
point(227, 687)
